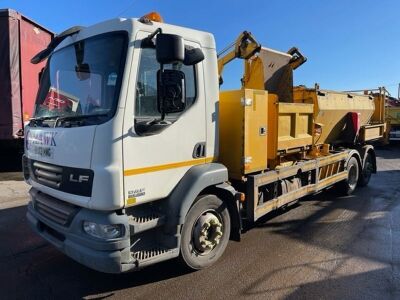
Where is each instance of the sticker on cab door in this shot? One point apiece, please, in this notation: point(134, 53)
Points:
point(133, 194)
point(136, 193)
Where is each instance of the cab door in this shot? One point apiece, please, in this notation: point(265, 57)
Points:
point(157, 153)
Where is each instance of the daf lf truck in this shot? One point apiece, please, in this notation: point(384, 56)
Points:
point(134, 156)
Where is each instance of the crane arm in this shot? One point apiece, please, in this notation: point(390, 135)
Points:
point(244, 47)
point(297, 58)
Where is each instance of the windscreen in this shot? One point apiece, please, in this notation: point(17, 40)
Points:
point(83, 79)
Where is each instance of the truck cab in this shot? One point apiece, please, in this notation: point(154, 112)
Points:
point(99, 145)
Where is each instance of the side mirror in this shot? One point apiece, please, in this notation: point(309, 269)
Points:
point(193, 56)
point(170, 48)
point(171, 96)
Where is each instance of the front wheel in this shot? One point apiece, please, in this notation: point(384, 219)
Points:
point(205, 233)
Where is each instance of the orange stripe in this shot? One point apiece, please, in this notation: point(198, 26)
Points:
point(180, 164)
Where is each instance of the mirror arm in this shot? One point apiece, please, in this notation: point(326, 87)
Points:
point(147, 42)
point(162, 99)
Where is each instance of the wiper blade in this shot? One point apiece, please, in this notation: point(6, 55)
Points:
point(80, 117)
point(77, 117)
point(35, 121)
point(43, 118)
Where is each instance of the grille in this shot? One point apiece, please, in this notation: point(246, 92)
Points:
point(47, 174)
point(62, 178)
point(55, 210)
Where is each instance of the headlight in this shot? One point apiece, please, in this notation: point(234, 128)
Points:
point(103, 231)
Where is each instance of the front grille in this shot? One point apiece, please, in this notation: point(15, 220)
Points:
point(53, 209)
point(47, 174)
point(70, 180)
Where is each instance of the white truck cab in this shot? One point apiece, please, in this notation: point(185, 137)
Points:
point(105, 162)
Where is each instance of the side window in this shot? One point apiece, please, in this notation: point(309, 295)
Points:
point(146, 112)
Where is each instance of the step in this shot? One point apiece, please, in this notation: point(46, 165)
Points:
point(145, 221)
point(153, 255)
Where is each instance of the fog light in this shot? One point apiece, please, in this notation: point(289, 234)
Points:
point(103, 231)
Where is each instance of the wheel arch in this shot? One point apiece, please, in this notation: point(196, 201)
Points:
point(369, 149)
point(356, 154)
point(227, 194)
point(195, 181)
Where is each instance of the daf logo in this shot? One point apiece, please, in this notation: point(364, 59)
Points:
point(78, 178)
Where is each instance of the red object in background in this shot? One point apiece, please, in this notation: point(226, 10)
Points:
point(33, 40)
point(20, 39)
point(60, 101)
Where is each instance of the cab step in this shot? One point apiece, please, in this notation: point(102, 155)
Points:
point(153, 255)
point(143, 222)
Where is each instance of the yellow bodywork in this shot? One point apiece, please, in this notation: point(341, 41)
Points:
point(393, 115)
point(244, 47)
point(331, 109)
point(294, 125)
point(379, 114)
point(268, 124)
point(243, 131)
point(254, 127)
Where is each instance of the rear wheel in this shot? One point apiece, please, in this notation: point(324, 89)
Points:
point(366, 172)
point(205, 233)
point(348, 186)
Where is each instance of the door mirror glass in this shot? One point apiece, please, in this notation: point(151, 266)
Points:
point(171, 96)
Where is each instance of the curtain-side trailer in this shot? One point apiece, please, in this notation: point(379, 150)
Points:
point(20, 39)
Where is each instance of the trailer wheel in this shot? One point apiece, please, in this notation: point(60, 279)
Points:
point(205, 233)
point(348, 186)
point(366, 172)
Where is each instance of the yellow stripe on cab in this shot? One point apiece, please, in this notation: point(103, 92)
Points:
point(193, 162)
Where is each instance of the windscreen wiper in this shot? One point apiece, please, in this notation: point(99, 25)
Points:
point(42, 55)
point(77, 117)
point(35, 121)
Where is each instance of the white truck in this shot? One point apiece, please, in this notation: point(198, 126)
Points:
point(123, 151)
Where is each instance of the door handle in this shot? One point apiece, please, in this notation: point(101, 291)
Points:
point(199, 150)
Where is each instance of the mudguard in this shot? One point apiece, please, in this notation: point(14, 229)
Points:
point(368, 149)
point(189, 187)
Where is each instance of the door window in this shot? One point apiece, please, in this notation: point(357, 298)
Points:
point(146, 113)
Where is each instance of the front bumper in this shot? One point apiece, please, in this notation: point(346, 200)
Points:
point(109, 256)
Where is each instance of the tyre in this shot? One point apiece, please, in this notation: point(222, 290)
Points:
point(205, 233)
point(347, 187)
point(366, 172)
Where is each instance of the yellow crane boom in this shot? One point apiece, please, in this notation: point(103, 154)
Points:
point(244, 47)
